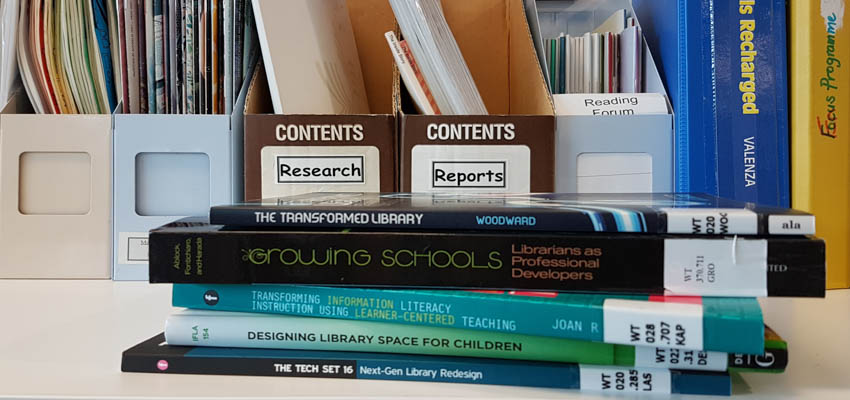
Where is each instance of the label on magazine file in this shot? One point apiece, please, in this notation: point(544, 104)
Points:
point(791, 225)
point(711, 267)
point(711, 221)
point(658, 357)
point(624, 380)
point(291, 170)
point(645, 323)
point(471, 168)
point(611, 104)
point(132, 247)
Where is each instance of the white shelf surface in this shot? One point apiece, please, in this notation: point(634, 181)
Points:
point(64, 339)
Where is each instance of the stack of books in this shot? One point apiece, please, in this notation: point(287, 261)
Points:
point(625, 293)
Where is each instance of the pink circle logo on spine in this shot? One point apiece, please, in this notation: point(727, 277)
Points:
point(162, 365)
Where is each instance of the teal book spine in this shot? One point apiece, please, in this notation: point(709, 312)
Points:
point(265, 331)
point(732, 325)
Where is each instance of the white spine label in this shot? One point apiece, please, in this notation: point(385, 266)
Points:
point(716, 267)
point(646, 323)
point(791, 224)
point(711, 221)
point(657, 357)
point(624, 380)
point(132, 247)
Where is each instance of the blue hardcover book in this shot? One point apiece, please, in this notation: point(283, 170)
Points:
point(553, 212)
point(752, 101)
point(731, 136)
point(154, 356)
point(732, 325)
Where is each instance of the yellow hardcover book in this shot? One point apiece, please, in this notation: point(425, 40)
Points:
point(820, 117)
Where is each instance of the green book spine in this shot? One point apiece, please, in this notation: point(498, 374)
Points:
point(553, 54)
point(223, 329)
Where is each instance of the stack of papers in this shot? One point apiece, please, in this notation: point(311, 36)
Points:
point(151, 56)
point(438, 57)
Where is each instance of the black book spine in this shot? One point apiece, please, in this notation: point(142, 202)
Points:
point(496, 220)
point(773, 360)
point(619, 263)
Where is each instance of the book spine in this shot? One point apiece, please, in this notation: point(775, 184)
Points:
point(562, 64)
point(398, 368)
point(774, 360)
point(821, 157)
point(752, 126)
point(238, 40)
point(696, 221)
point(419, 77)
point(122, 38)
point(157, 69)
point(227, 95)
point(583, 219)
point(300, 333)
point(712, 221)
point(411, 82)
point(520, 314)
point(142, 66)
point(619, 263)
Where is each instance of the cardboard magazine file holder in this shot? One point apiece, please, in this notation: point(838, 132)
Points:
point(274, 143)
point(510, 150)
point(55, 193)
point(170, 166)
point(606, 153)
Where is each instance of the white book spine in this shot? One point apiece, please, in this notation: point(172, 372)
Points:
point(587, 66)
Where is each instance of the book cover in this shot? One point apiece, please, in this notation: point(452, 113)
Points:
point(192, 251)
point(636, 212)
point(731, 325)
point(820, 161)
point(751, 101)
point(731, 106)
point(154, 356)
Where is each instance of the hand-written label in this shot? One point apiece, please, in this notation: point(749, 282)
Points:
point(657, 357)
point(716, 267)
point(624, 380)
point(711, 221)
point(640, 323)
